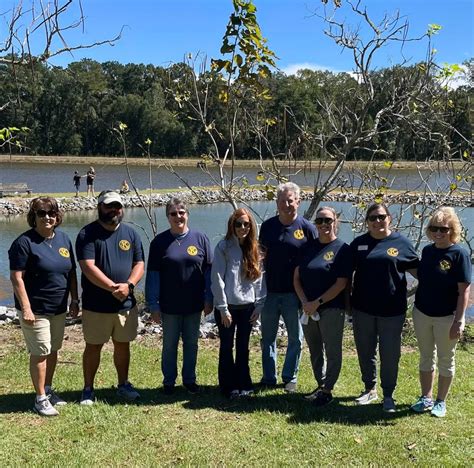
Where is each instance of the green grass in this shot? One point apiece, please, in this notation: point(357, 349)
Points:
point(271, 428)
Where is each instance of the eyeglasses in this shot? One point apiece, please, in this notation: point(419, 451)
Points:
point(320, 221)
point(380, 217)
point(43, 213)
point(113, 206)
point(241, 224)
point(442, 229)
point(177, 213)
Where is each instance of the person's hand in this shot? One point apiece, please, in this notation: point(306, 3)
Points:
point(28, 315)
point(455, 332)
point(74, 309)
point(121, 291)
point(254, 317)
point(226, 319)
point(208, 308)
point(155, 316)
point(309, 308)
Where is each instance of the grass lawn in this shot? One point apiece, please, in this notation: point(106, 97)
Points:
point(271, 428)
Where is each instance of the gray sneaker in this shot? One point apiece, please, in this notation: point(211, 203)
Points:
point(367, 397)
point(312, 396)
point(55, 399)
point(290, 387)
point(127, 392)
point(45, 408)
point(388, 405)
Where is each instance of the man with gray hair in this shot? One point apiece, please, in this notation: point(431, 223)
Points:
point(282, 237)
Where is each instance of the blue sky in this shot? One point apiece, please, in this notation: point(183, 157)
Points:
point(163, 31)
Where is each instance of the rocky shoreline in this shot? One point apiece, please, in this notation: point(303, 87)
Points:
point(16, 206)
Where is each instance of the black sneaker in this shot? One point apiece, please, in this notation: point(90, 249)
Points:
point(192, 388)
point(168, 389)
point(322, 399)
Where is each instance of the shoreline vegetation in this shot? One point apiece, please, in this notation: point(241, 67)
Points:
point(193, 162)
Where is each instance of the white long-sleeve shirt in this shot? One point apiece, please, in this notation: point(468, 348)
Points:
point(228, 284)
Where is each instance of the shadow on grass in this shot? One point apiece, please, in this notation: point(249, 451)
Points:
point(298, 411)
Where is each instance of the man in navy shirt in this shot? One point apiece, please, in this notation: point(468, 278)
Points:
point(281, 238)
point(112, 262)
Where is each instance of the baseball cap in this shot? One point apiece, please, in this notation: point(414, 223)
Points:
point(110, 197)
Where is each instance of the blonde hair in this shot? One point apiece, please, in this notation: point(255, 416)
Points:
point(448, 216)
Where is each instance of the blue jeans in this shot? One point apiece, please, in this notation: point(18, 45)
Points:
point(174, 327)
point(387, 332)
point(286, 305)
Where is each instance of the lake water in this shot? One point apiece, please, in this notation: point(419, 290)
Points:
point(210, 219)
point(42, 177)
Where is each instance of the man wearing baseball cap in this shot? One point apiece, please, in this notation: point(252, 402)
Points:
point(111, 258)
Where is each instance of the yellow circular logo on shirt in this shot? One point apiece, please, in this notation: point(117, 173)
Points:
point(192, 250)
point(328, 256)
point(124, 245)
point(445, 265)
point(298, 234)
point(393, 252)
point(64, 252)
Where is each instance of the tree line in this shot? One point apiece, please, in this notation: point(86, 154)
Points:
point(73, 111)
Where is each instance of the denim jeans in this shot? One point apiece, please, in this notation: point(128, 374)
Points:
point(174, 327)
point(286, 305)
point(324, 338)
point(235, 374)
point(387, 331)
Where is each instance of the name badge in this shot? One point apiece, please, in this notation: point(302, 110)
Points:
point(363, 247)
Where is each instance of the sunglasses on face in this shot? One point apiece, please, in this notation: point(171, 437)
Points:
point(379, 217)
point(43, 213)
point(442, 229)
point(177, 213)
point(241, 224)
point(113, 206)
point(319, 221)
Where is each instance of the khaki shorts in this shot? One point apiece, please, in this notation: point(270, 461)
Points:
point(45, 334)
point(99, 327)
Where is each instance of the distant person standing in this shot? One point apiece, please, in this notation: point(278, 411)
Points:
point(90, 181)
point(77, 182)
point(282, 237)
point(111, 257)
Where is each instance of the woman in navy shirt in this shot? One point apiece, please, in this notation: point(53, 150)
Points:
point(444, 276)
point(379, 302)
point(43, 275)
point(320, 279)
point(177, 290)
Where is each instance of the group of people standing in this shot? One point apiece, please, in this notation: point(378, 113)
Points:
point(293, 269)
point(90, 178)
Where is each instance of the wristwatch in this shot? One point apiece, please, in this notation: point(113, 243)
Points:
point(131, 286)
point(320, 301)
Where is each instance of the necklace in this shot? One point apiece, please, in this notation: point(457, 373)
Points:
point(50, 239)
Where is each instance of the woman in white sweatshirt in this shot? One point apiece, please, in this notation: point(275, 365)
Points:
point(239, 294)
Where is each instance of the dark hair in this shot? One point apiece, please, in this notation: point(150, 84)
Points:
point(250, 251)
point(175, 201)
point(376, 206)
point(43, 203)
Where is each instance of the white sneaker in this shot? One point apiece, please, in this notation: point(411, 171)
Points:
point(45, 408)
point(87, 397)
point(55, 399)
point(366, 397)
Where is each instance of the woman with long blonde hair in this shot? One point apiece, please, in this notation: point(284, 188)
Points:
point(239, 293)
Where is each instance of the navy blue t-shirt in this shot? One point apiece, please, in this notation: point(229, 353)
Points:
point(182, 264)
point(281, 246)
point(115, 253)
point(320, 266)
point(439, 272)
point(47, 264)
point(380, 285)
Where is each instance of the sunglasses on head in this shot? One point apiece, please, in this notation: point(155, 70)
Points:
point(320, 221)
point(176, 213)
point(113, 206)
point(241, 224)
point(442, 229)
point(379, 217)
point(43, 213)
